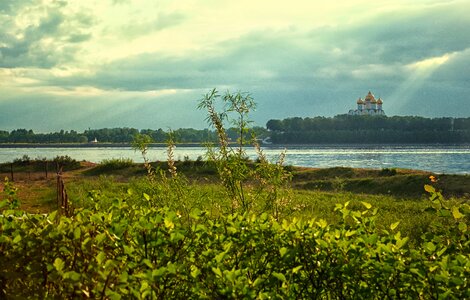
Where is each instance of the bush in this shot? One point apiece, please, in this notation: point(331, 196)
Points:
point(116, 163)
point(388, 172)
point(66, 162)
point(121, 251)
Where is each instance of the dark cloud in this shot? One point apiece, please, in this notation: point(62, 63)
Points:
point(54, 40)
point(402, 36)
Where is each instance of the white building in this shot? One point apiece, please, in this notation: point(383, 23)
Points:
point(368, 106)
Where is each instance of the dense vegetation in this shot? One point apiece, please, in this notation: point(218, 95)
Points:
point(340, 129)
point(370, 129)
point(116, 135)
point(155, 242)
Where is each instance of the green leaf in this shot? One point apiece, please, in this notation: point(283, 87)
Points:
point(17, 239)
point(146, 196)
point(195, 272)
point(440, 252)
point(113, 295)
point(169, 223)
point(74, 276)
point(171, 267)
point(59, 264)
point(4, 203)
point(322, 223)
point(52, 216)
point(367, 205)
point(463, 227)
point(394, 225)
point(443, 213)
point(417, 272)
point(402, 242)
point(159, 272)
point(217, 271)
point(219, 257)
point(430, 189)
point(279, 276)
point(77, 233)
point(258, 281)
point(283, 251)
point(456, 213)
point(430, 247)
point(100, 257)
point(322, 243)
point(148, 263)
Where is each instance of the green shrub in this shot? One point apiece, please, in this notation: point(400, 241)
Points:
point(141, 251)
point(116, 163)
point(388, 172)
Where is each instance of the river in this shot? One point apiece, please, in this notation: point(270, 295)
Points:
point(438, 159)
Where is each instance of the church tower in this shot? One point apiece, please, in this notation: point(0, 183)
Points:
point(360, 104)
point(369, 106)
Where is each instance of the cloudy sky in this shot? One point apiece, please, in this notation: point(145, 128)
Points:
point(146, 63)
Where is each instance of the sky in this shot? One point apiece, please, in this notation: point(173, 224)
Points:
point(146, 63)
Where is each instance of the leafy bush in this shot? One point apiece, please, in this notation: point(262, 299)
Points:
point(141, 251)
point(116, 163)
point(66, 162)
point(388, 172)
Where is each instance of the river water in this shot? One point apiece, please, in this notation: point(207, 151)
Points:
point(439, 159)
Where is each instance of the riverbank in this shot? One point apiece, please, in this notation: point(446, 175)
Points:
point(37, 188)
point(437, 159)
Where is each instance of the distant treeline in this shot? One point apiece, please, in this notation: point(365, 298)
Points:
point(369, 129)
point(341, 129)
point(116, 135)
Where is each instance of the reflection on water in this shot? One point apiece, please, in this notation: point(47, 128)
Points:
point(440, 159)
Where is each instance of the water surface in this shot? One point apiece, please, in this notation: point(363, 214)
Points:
point(439, 159)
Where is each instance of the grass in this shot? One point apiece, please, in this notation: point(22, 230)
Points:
point(398, 196)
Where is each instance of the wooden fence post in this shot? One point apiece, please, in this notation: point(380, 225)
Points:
point(11, 172)
point(58, 190)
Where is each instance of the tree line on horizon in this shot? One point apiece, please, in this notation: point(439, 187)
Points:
point(123, 135)
point(340, 129)
point(369, 129)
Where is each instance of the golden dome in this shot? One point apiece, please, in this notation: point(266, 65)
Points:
point(359, 101)
point(370, 97)
point(379, 101)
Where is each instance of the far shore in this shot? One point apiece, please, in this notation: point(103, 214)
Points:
point(87, 145)
point(202, 144)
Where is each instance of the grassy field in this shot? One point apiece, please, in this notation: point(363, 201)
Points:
point(329, 233)
point(398, 194)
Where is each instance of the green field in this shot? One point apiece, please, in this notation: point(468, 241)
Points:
point(317, 233)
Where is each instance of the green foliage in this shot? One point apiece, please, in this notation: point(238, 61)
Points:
point(66, 162)
point(116, 163)
point(120, 250)
point(243, 183)
point(345, 129)
point(11, 200)
point(388, 172)
point(27, 164)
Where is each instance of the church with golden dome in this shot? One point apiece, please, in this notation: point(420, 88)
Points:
point(369, 106)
